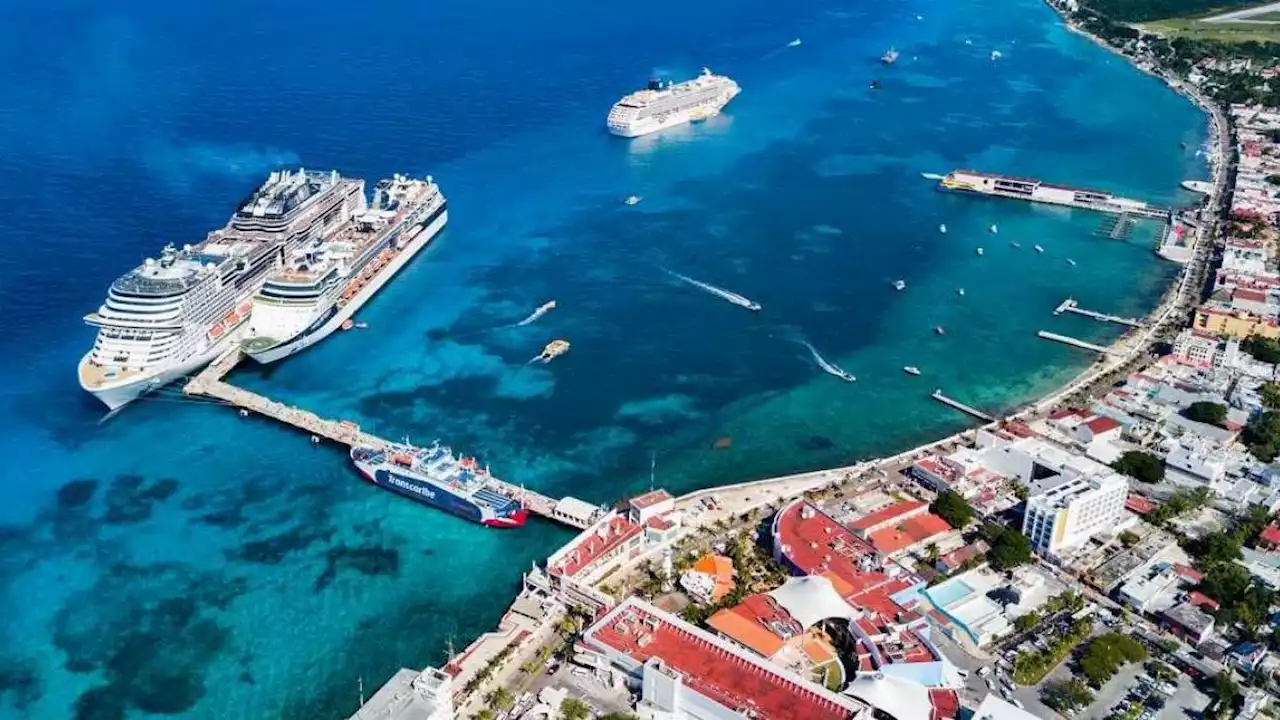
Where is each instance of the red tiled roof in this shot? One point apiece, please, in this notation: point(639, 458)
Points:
point(818, 544)
point(908, 533)
point(1018, 429)
point(617, 531)
point(1186, 573)
point(1139, 504)
point(1101, 424)
point(946, 704)
point(886, 514)
point(1270, 535)
point(652, 497)
point(1199, 599)
point(658, 522)
point(1249, 295)
point(1064, 414)
point(720, 569)
point(746, 625)
point(712, 671)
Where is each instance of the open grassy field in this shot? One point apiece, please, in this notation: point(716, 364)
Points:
point(1221, 32)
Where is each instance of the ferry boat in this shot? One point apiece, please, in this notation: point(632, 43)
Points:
point(664, 104)
point(171, 316)
point(1005, 186)
point(325, 281)
point(434, 476)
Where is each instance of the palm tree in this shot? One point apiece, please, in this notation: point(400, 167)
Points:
point(499, 698)
point(574, 709)
point(932, 551)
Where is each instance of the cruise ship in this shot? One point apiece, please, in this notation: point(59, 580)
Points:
point(433, 476)
point(663, 104)
point(170, 316)
point(325, 280)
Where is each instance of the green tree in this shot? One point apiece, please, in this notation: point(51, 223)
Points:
point(1266, 350)
point(1262, 436)
point(574, 709)
point(1128, 539)
point(1209, 413)
point(950, 506)
point(1225, 691)
point(1066, 695)
point(483, 714)
point(618, 716)
point(1273, 179)
point(1106, 654)
point(1009, 548)
point(1140, 465)
point(1026, 622)
point(499, 698)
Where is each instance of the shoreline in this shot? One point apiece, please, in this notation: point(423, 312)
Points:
point(494, 654)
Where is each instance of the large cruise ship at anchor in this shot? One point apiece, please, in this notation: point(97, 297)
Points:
point(327, 279)
point(663, 104)
point(434, 476)
point(170, 316)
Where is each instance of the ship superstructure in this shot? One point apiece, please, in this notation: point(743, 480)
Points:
point(663, 104)
point(435, 476)
point(172, 315)
point(326, 279)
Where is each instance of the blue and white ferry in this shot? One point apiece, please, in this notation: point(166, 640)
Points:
point(434, 476)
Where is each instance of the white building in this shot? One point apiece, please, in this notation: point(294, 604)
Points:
point(411, 695)
point(1199, 460)
point(1196, 349)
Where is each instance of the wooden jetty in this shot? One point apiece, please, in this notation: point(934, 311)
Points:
point(209, 383)
point(937, 395)
point(1070, 305)
point(1074, 342)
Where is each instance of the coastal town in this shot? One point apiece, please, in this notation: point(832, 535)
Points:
point(1111, 551)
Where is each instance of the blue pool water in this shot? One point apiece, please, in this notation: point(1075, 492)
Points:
point(179, 560)
point(946, 594)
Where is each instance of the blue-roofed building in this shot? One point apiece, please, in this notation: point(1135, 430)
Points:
point(1247, 656)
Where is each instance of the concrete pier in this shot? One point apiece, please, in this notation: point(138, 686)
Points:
point(1070, 305)
point(937, 395)
point(1074, 342)
point(209, 383)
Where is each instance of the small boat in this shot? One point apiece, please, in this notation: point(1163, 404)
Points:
point(1071, 262)
point(875, 84)
point(899, 284)
point(889, 57)
point(919, 17)
point(960, 292)
point(968, 41)
point(362, 325)
point(1015, 243)
point(911, 370)
point(942, 228)
point(994, 229)
point(1039, 249)
point(632, 199)
point(980, 251)
point(794, 43)
point(554, 349)
point(940, 330)
point(995, 55)
point(347, 324)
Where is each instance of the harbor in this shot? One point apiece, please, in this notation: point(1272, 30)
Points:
point(1071, 306)
point(209, 383)
point(1039, 191)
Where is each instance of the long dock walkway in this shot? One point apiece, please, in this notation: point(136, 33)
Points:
point(937, 395)
point(1074, 342)
point(1070, 305)
point(209, 383)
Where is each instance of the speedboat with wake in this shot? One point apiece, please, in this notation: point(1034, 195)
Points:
point(721, 293)
point(899, 284)
point(829, 367)
point(911, 370)
point(543, 309)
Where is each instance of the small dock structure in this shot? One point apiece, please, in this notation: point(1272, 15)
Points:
point(1039, 191)
point(1074, 342)
point(1070, 305)
point(208, 383)
point(956, 404)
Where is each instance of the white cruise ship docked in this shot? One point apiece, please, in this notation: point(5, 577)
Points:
point(663, 105)
point(324, 281)
point(169, 317)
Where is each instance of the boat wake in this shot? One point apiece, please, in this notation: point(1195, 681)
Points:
point(542, 310)
point(931, 176)
point(721, 293)
point(827, 366)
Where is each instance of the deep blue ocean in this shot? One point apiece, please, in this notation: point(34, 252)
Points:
point(178, 560)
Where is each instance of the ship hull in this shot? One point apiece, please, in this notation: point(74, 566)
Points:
point(333, 317)
point(438, 497)
point(117, 396)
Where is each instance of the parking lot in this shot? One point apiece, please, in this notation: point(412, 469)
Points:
point(592, 688)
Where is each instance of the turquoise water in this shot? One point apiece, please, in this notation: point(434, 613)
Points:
point(948, 593)
point(179, 560)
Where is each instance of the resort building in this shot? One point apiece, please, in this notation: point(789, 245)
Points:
point(1067, 514)
point(685, 672)
point(902, 527)
point(1222, 320)
point(710, 578)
